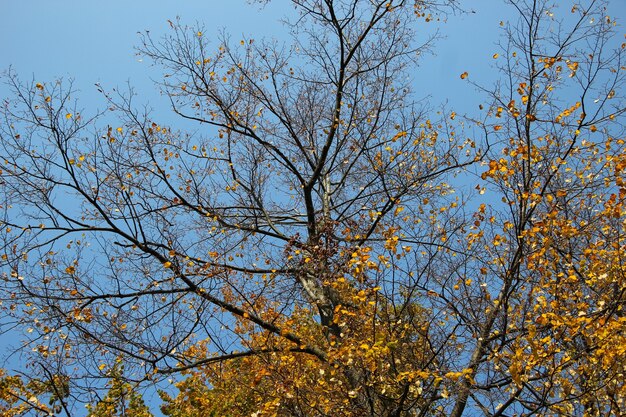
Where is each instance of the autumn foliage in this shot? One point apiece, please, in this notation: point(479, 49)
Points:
point(327, 245)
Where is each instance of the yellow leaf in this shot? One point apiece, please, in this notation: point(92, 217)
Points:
point(514, 370)
point(464, 75)
point(68, 116)
point(167, 264)
point(495, 56)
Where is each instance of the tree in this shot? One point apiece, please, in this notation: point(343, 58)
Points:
point(308, 256)
point(122, 399)
point(20, 396)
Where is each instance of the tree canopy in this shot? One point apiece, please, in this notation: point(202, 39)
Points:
point(326, 243)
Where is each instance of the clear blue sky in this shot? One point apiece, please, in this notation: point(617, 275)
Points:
point(93, 41)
